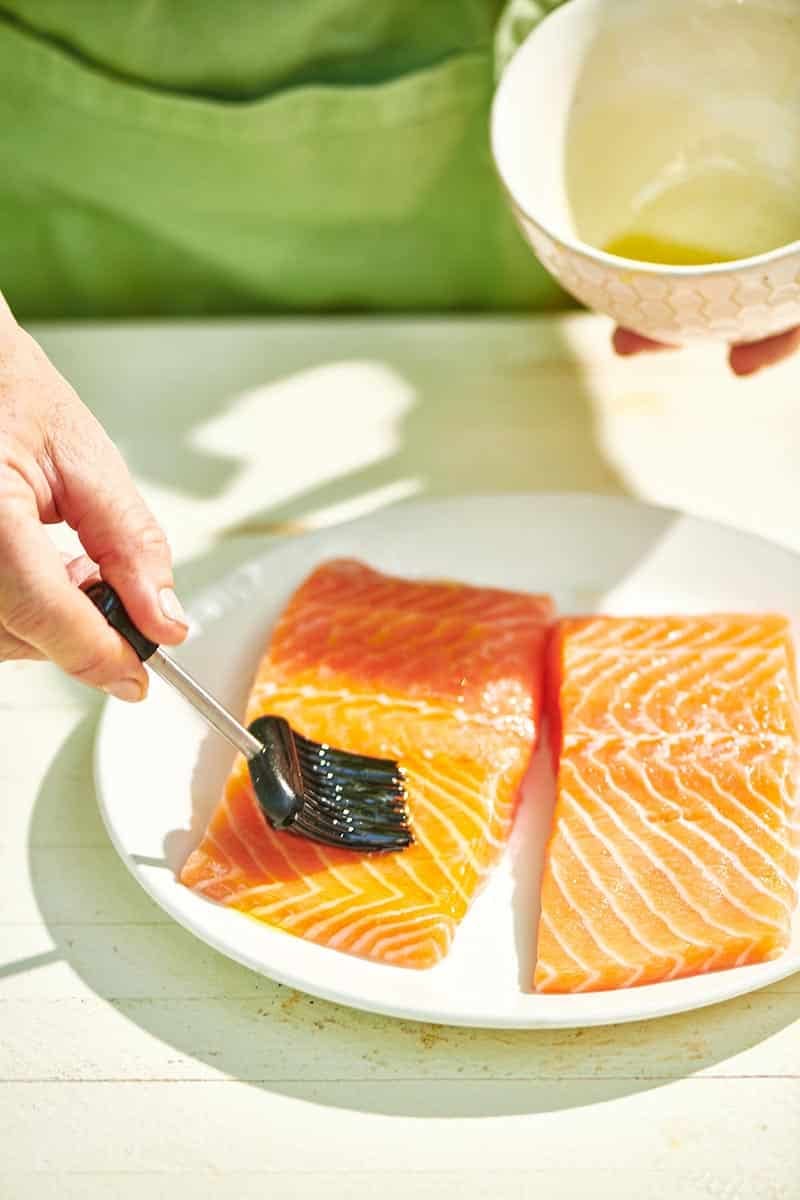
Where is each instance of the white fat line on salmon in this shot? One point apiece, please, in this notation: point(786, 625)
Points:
point(547, 971)
point(380, 874)
point(233, 827)
point(270, 912)
point(464, 783)
point(402, 863)
point(744, 957)
point(693, 827)
point(597, 668)
point(581, 665)
point(590, 975)
point(677, 971)
point(619, 858)
point(357, 621)
point(522, 726)
point(269, 891)
point(463, 856)
point(598, 678)
point(346, 923)
point(326, 865)
point(588, 924)
point(724, 673)
point(714, 741)
point(205, 885)
point(657, 830)
point(279, 841)
point(505, 806)
point(562, 829)
point(710, 961)
point(396, 948)
point(616, 634)
point(748, 672)
point(748, 815)
point(660, 635)
point(297, 876)
point(341, 876)
point(783, 814)
point(436, 858)
point(455, 601)
point(221, 851)
point(441, 639)
point(466, 849)
point(218, 890)
point(481, 820)
point(757, 662)
point(397, 955)
point(734, 673)
point(685, 665)
point(368, 941)
point(659, 865)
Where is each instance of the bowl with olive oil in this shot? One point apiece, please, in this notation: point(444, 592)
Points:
point(650, 152)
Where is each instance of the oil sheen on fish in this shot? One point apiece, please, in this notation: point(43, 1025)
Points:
point(445, 678)
point(674, 844)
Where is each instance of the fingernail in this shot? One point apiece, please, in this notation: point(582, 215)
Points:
point(125, 689)
point(171, 606)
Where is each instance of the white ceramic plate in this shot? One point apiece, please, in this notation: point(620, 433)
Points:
point(159, 771)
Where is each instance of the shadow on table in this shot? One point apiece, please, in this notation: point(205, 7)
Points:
point(447, 427)
point(356, 414)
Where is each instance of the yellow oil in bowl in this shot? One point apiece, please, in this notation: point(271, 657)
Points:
point(644, 248)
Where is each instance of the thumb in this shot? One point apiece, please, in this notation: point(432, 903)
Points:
point(748, 357)
point(626, 342)
point(98, 498)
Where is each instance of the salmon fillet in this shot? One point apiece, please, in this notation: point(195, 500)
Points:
point(444, 678)
point(674, 843)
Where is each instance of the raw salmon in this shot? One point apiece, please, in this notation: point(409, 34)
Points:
point(444, 678)
point(674, 843)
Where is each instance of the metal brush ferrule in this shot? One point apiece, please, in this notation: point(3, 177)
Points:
point(167, 669)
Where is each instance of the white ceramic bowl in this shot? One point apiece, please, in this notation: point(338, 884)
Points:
point(675, 120)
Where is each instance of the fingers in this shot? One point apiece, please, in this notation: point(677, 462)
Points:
point(6, 315)
point(43, 614)
point(98, 498)
point(81, 570)
point(749, 357)
point(56, 463)
point(745, 358)
point(12, 649)
point(627, 343)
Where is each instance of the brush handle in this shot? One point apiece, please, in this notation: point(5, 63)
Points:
point(106, 600)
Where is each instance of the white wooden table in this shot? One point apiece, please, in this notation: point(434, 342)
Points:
point(134, 1061)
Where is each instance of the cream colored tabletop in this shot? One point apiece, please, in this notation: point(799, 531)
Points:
point(136, 1062)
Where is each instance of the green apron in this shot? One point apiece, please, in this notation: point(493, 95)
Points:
point(163, 157)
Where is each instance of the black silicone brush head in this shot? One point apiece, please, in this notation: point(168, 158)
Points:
point(331, 796)
point(327, 795)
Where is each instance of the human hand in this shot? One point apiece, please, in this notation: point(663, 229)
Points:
point(57, 464)
point(745, 358)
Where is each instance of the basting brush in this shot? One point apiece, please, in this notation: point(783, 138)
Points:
point(331, 796)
